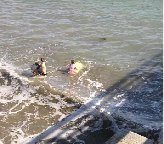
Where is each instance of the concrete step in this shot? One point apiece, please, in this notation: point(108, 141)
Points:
point(128, 137)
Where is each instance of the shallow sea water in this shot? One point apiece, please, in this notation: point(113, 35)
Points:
point(113, 39)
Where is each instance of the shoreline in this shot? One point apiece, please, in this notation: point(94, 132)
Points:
point(88, 125)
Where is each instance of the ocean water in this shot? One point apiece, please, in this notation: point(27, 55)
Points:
point(111, 38)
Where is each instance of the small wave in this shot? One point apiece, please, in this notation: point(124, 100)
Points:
point(25, 105)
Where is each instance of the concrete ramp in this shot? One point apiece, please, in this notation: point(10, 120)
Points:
point(128, 137)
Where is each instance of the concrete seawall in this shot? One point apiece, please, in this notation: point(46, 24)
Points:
point(89, 126)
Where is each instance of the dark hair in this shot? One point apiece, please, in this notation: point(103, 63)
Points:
point(36, 63)
point(42, 60)
point(72, 61)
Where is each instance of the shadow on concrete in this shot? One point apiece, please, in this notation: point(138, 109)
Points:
point(142, 92)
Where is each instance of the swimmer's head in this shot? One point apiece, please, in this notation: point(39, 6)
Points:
point(36, 63)
point(42, 60)
point(72, 61)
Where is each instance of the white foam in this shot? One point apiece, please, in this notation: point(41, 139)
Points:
point(95, 84)
point(8, 67)
point(13, 71)
point(6, 91)
point(17, 135)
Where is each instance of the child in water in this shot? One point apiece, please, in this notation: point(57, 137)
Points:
point(39, 68)
point(43, 67)
point(35, 68)
point(71, 67)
